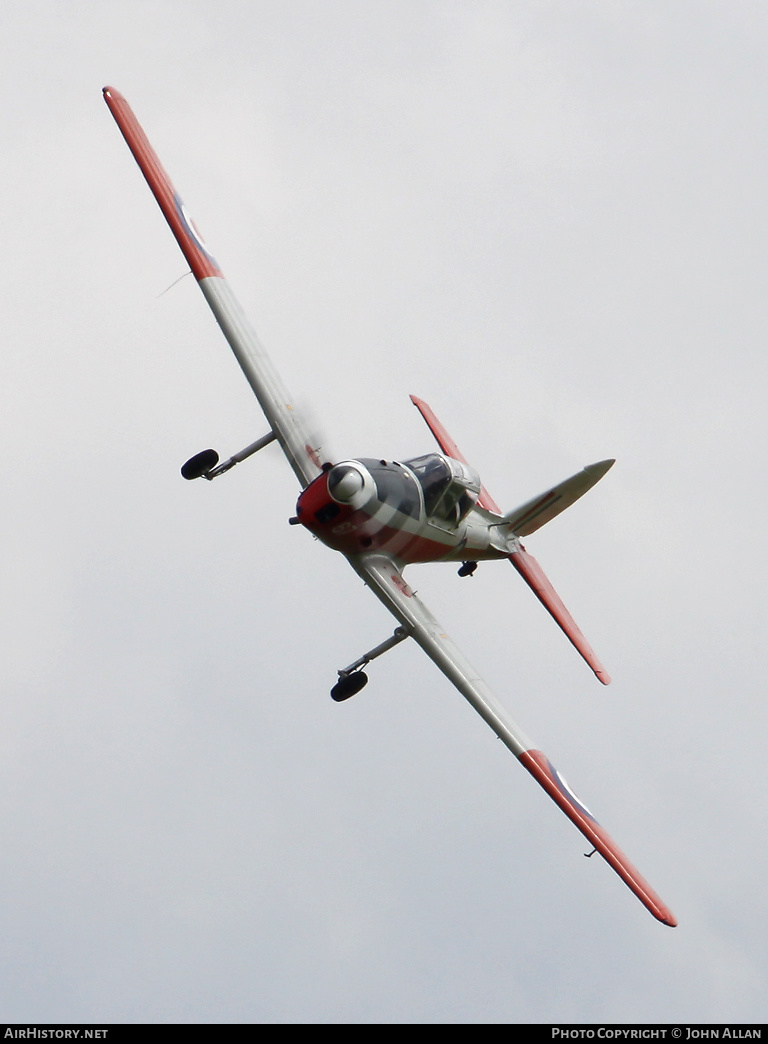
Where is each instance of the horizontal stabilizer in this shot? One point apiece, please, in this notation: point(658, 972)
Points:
point(542, 509)
point(533, 574)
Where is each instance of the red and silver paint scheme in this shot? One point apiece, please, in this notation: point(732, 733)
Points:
point(416, 510)
point(384, 515)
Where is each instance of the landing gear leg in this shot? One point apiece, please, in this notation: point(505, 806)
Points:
point(352, 679)
point(206, 464)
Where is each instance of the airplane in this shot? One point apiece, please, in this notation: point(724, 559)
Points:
point(384, 515)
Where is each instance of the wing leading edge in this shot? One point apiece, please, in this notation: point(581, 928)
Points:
point(291, 431)
point(383, 576)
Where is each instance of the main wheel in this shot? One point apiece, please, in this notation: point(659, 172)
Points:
point(348, 685)
point(200, 464)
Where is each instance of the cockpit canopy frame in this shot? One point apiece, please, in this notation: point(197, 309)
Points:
point(451, 488)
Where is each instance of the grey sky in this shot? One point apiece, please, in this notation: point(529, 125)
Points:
point(547, 219)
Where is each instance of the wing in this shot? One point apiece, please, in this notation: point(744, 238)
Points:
point(384, 578)
point(290, 430)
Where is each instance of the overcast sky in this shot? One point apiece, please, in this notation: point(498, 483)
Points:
point(549, 220)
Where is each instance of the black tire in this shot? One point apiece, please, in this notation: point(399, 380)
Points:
point(348, 685)
point(199, 464)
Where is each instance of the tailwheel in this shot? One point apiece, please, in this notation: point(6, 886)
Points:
point(348, 685)
point(467, 568)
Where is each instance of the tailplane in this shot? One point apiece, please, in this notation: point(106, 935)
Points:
point(542, 509)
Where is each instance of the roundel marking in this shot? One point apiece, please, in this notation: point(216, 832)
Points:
point(565, 788)
point(189, 227)
point(398, 581)
point(313, 455)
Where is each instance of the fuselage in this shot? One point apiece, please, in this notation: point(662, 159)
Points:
point(419, 510)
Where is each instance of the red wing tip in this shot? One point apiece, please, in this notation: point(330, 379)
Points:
point(112, 96)
point(663, 914)
point(603, 676)
point(547, 776)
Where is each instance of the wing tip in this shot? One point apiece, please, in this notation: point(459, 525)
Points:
point(199, 258)
point(547, 776)
point(661, 912)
